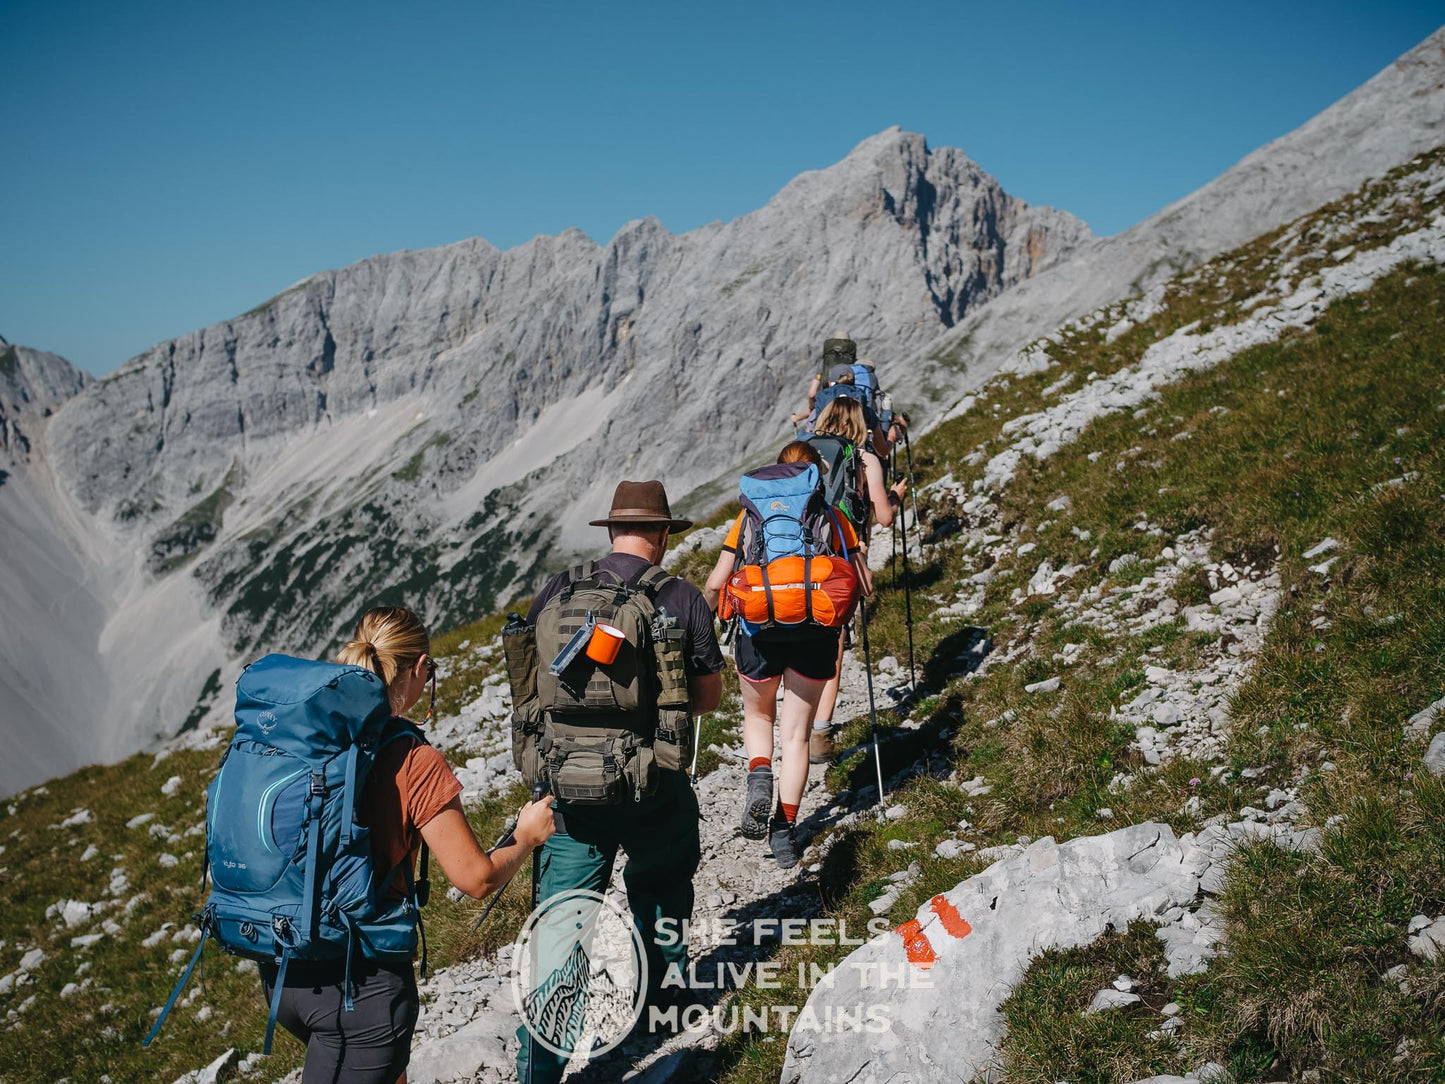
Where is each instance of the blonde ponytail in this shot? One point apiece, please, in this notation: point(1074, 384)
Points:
point(388, 641)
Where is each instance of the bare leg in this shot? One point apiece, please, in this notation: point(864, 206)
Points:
point(829, 698)
point(800, 701)
point(760, 700)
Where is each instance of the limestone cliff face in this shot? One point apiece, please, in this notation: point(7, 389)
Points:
point(434, 427)
point(32, 384)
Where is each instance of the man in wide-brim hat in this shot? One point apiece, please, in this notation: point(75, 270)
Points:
point(641, 504)
point(658, 831)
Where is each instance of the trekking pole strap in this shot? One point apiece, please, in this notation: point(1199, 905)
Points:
point(276, 1000)
point(171, 1001)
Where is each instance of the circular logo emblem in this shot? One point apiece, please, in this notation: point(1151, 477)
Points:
point(579, 973)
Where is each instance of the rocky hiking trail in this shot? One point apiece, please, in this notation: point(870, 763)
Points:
point(468, 1022)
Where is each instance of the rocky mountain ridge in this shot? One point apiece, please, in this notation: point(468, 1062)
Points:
point(32, 384)
point(411, 427)
point(420, 426)
point(1386, 121)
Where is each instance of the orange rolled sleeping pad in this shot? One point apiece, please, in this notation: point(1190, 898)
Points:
point(779, 594)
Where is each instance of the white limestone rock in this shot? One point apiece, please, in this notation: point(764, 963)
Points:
point(218, 1071)
point(1434, 759)
point(1046, 896)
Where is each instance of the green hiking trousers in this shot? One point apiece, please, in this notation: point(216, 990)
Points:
point(660, 835)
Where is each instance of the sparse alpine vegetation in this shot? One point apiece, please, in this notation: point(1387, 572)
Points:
point(1118, 687)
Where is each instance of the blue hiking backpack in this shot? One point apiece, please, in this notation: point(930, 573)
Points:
point(785, 514)
point(834, 391)
point(865, 377)
point(291, 870)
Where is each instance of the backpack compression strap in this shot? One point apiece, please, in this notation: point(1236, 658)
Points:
point(185, 975)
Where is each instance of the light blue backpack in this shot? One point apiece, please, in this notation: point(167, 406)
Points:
point(291, 870)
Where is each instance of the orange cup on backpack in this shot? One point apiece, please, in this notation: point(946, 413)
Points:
point(605, 643)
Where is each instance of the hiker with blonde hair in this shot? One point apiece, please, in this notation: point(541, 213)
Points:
point(854, 482)
point(411, 799)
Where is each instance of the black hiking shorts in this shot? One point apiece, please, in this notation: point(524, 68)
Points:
point(812, 653)
point(371, 1044)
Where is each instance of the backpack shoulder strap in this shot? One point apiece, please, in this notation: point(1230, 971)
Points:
point(652, 580)
point(575, 575)
point(838, 529)
point(397, 727)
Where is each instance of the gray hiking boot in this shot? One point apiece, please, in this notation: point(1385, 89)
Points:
point(784, 843)
point(758, 804)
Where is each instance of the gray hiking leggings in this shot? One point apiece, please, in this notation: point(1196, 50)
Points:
point(371, 1044)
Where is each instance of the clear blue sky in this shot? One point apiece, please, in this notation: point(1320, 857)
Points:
point(167, 165)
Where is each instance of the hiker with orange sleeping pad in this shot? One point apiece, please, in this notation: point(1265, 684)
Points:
point(791, 573)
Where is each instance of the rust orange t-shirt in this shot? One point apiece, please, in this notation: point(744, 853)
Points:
point(410, 783)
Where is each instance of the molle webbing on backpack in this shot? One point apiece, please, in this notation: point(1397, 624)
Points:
point(673, 742)
point(519, 647)
point(599, 722)
point(624, 690)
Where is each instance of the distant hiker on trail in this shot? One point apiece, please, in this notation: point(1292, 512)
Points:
point(330, 911)
point(613, 738)
point(853, 482)
point(831, 356)
point(786, 537)
point(847, 377)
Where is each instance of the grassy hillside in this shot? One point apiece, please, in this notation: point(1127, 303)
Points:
point(1333, 431)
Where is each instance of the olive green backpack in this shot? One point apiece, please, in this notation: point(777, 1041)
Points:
point(598, 734)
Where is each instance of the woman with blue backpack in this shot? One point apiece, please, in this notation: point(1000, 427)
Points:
point(789, 626)
point(410, 800)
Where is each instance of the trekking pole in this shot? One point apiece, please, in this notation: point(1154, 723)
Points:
point(907, 577)
point(912, 491)
point(497, 895)
point(893, 528)
point(539, 789)
point(872, 703)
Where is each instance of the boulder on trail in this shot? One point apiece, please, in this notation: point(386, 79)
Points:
point(940, 978)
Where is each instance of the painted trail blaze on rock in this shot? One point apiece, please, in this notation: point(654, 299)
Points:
point(916, 945)
point(954, 923)
point(943, 1018)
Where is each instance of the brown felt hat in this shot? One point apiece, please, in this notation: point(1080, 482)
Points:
point(639, 503)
